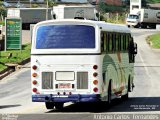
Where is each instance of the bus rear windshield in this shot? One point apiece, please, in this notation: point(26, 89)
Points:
point(65, 37)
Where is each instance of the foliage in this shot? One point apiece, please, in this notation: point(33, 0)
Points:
point(116, 18)
point(35, 5)
point(2, 23)
point(3, 12)
point(154, 40)
point(51, 3)
point(2, 67)
point(103, 7)
point(153, 1)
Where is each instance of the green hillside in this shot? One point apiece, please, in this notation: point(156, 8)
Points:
point(153, 1)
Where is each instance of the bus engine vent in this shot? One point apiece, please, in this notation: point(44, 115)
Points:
point(82, 80)
point(47, 80)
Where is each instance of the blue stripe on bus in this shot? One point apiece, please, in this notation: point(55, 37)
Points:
point(69, 98)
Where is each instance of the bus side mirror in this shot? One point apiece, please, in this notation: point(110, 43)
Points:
point(132, 51)
point(135, 48)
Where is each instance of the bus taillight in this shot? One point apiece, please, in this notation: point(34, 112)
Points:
point(95, 89)
point(95, 67)
point(95, 82)
point(35, 90)
point(34, 67)
point(95, 74)
point(34, 74)
point(34, 82)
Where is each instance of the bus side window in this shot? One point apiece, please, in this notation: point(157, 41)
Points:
point(124, 42)
point(108, 42)
point(127, 41)
point(119, 42)
point(105, 42)
point(113, 42)
point(102, 42)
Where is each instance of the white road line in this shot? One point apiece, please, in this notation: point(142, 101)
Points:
point(144, 64)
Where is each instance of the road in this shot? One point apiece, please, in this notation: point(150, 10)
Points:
point(15, 91)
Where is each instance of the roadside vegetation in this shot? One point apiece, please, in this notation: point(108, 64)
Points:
point(153, 1)
point(117, 14)
point(154, 40)
point(14, 56)
point(2, 67)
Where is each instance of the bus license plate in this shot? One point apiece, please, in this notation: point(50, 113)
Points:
point(64, 85)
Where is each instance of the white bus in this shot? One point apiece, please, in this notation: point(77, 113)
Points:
point(81, 61)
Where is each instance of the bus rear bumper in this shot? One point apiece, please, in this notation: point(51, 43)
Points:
point(66, 98)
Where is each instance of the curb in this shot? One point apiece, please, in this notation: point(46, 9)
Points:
point(5, 73)
point(24, 61)
point(9, 70)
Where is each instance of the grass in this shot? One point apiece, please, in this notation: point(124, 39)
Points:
point(17, 55)
point(2, 67)
point(153, 1)
point(154, 40)
point(2, 23)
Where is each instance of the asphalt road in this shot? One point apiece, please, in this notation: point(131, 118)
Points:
point(15, 92)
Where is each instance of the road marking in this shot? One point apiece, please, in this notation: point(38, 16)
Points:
point(144, 64)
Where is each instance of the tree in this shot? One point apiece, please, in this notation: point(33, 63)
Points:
point(144, 3)
point(51, 3)
point(3, 11)
point(102, 6)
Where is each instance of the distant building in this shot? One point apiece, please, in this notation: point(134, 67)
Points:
point(71, 1)
point(92, 1)
point(112, 2)
point(154, 6)
point(39, 1)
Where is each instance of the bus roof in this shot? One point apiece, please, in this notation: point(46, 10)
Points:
point(101, 24)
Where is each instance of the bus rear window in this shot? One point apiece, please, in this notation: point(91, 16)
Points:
point(65, 37)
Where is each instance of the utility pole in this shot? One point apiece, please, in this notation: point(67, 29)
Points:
point(47, 10)
point(30, 3)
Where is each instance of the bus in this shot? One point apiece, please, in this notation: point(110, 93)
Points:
point(81, 61)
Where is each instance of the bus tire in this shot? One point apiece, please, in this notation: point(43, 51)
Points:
point(137, 26)
point(125, 97)
point(49, 105)
point(129, 86)
point(59, 105)
point(109, 95)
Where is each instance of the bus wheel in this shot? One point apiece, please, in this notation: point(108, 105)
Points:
point(124, 97)
point(49, 105)
point(59, 105)
point(109, 95)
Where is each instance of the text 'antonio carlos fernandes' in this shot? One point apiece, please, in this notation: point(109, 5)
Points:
point(126, 117)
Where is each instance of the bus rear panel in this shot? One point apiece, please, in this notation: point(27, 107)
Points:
point(64, 63)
